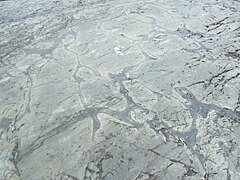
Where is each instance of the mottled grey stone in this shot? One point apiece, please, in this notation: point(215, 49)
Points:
point(119, 90)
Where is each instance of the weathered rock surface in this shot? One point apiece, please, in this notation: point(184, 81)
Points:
point(119, 90)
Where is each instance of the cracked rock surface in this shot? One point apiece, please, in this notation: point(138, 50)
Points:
point(119, 90)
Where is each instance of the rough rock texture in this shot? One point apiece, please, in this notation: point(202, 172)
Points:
point(119, 90)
